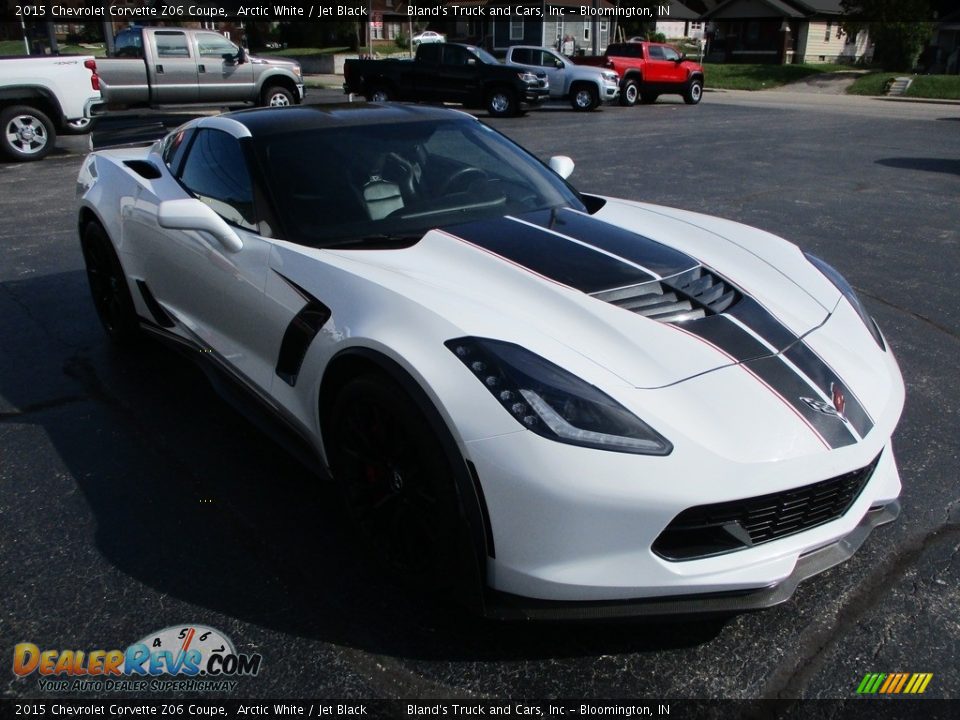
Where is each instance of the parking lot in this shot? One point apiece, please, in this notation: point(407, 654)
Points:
point(133, 499)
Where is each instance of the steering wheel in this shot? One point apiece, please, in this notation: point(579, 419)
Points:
point(410, 183)
point(465, 176)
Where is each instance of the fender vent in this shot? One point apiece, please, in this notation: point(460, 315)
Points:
point(692, 294)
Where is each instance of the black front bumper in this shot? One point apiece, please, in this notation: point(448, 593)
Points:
point(504, 606)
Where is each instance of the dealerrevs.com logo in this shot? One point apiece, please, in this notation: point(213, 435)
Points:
point(181, 657)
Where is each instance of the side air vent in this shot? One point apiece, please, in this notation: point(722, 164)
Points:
point(689, 295)
point(144, 169)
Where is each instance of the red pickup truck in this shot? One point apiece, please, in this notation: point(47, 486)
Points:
point(648, 70)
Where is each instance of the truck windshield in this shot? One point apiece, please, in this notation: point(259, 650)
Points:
point(484, 56)
point(342, 185)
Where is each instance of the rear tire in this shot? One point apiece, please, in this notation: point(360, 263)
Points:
point(26, 133)
point(396, 481)
point(108, 287)
point(584, 98)
point(502, 102)
point(629, 93)
point(694, 92)
point(380, 93)
point(277, 96)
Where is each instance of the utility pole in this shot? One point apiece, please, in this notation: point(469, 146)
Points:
point(594, 28)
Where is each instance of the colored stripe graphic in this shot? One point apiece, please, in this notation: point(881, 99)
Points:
point(894, 683)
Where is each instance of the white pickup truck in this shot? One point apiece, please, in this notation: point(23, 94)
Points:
point(41, 95)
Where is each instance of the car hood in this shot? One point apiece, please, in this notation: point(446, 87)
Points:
point(266, 60)
point(652, 294)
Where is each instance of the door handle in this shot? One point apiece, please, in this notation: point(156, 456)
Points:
point(201, 68)
point(159, 69)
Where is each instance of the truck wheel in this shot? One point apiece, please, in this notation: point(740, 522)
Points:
point(649, 98)
point(629, 93)
point(584, 98)
point(26, 133)
point(277, 96)
point(81, 126)
point(379, 93)
point(502, 102)
point(693, 92)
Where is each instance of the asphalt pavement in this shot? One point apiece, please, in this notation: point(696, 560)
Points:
point(133, 499)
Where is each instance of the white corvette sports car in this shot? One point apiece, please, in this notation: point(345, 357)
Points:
point(558, 404)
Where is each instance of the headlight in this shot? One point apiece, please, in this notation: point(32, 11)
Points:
point(548, 400)
point(611, 77)
point(843, 286)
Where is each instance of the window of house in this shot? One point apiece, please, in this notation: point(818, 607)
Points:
point(826, 35)
point(516, 29)
point(586, 33)
point(216, 174)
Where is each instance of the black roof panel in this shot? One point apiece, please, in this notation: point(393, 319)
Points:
point(273, 121)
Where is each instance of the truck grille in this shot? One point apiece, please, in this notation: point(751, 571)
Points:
point(708, 530)
point(689, 295)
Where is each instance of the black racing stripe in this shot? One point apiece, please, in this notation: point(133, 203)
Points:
point(728, 336)
point(552, 256)
point(762, 322)
point(824, 378)
point(792, 388)
point(643, 251)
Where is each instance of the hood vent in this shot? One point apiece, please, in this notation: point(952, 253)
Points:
point(689, 295)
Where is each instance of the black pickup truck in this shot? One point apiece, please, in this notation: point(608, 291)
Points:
point(448, 72)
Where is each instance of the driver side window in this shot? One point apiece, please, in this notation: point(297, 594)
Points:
point(215, 172)
point(213, 45)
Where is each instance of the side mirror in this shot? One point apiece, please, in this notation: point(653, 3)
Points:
point(683, 56)
point(190, 214)
point(561, 165)
point(558, 64)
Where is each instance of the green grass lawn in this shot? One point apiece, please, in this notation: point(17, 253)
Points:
point(872, 83)
point(734, 76)
point(941, 87)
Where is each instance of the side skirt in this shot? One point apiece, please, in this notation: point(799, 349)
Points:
point(245, 398)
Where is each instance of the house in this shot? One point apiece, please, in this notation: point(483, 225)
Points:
point(548, 22)
point(685, 20)
point(784, 31)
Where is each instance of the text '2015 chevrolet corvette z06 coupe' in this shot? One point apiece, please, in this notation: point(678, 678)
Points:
point(552, 403)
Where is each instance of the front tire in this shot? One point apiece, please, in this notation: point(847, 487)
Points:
point(277, 96)
point(584, 98)
point(629, 93)
point(396, 481)
point(108, 287)
point(502, 102)
point(26, 133)
point(694, 92)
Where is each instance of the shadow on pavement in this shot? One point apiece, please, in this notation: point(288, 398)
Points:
point(939, 165)
point(191, 501)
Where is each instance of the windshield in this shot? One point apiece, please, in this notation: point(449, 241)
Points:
point(484, 56)
point(353, 184)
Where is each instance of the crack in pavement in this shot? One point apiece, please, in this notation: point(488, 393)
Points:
point(915, 315)
point(795, 671)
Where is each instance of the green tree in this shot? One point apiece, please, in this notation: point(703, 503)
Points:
point(898, 28)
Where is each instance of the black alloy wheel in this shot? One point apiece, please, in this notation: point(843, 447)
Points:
point(396, 481)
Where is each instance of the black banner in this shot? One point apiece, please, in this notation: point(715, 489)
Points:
point(854, 709)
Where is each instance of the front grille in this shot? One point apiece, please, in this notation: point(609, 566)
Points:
point(708, 530)
point(689, 295)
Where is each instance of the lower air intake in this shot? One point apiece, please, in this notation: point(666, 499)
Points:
point(708, 530)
